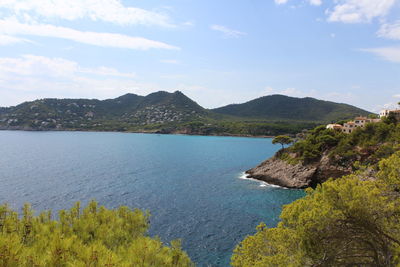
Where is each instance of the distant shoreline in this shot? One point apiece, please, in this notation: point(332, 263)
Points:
point(142, 132)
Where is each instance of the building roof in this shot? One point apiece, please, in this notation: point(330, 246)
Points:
point(334, 125)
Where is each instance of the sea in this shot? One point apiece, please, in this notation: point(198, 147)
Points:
point(193, 186)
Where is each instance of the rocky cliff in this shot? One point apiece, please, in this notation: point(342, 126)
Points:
point(279, 172)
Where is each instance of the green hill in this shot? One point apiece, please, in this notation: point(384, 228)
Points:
point(280, 107)
point(165, 112)
point(110, 114)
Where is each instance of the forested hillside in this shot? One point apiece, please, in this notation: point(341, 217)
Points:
point(164, 112)
point(280, 107)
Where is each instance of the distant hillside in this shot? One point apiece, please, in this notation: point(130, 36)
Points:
point(280, 107)
point(165, 112)
point(129, 109)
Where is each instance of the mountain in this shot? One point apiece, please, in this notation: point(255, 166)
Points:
point(129, 109)
point(166, 112)
point(280, 107)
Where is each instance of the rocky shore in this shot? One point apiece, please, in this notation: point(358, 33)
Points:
point(279, 172)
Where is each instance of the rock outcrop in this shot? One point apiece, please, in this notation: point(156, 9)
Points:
point(279, 172)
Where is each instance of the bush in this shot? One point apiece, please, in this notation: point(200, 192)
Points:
point(367, 145)
point(352, 221)
point(94, 236)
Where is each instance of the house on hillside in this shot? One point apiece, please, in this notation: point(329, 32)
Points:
point(350, 126)
point(334, 126)
point(387, 112)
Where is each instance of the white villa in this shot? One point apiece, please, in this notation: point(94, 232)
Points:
point(348, 127)
point(387, 112)
point(334, 126)
point(358, 122)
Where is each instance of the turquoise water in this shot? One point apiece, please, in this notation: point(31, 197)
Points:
point(190, 184)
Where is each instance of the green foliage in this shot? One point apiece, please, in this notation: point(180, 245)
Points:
point(352, 221)
point(283, 140)
point(373, 116)
point(94, 236)
point(367, 145)
point(316, 142)
point(164, 112)
point(110, 115)
point(280, 107)
point(389, 172)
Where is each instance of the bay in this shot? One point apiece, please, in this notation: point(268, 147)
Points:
point(190, 184)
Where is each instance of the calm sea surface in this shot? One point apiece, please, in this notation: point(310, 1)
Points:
point(190, 184)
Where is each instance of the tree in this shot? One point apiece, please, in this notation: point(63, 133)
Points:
point(283, 140)
point(351, 221)
point(94, 236)
point(389, 172)
point(373, 116)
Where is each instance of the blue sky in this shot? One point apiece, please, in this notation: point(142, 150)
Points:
point(216, 52)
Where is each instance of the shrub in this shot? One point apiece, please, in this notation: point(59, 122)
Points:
point(94, 236)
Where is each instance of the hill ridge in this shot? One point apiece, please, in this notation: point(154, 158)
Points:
point(174, 113)
point(277, 106)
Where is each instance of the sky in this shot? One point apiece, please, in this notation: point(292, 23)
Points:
point(216, 52)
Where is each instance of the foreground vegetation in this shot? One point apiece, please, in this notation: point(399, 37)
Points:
point(351, 221)
point(93, 236)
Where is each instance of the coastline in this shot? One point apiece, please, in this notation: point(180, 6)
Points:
point(138, 132)
point(245, 176)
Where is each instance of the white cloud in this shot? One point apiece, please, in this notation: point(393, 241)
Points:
point(170, 61)
point(390, 31)
point(358, 11)
point(112, 11)
point(315, 2)
point(31, 65)
point(228, 33)
point(8, 40)
point(311, 2)
point(188, 23)
point(105, 71)
point(280, 2)
point(31, 77)
point(387, 53)
point(14, 27)
point(397, 96)
point(390, 105)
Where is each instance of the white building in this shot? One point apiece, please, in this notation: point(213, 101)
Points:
point(334, 127)
point(387, 112)
point(359, 122)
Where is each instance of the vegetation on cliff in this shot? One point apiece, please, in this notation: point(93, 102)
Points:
point(283, 140)
point(93, 236)
point(352, 221)
point(363, 147)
